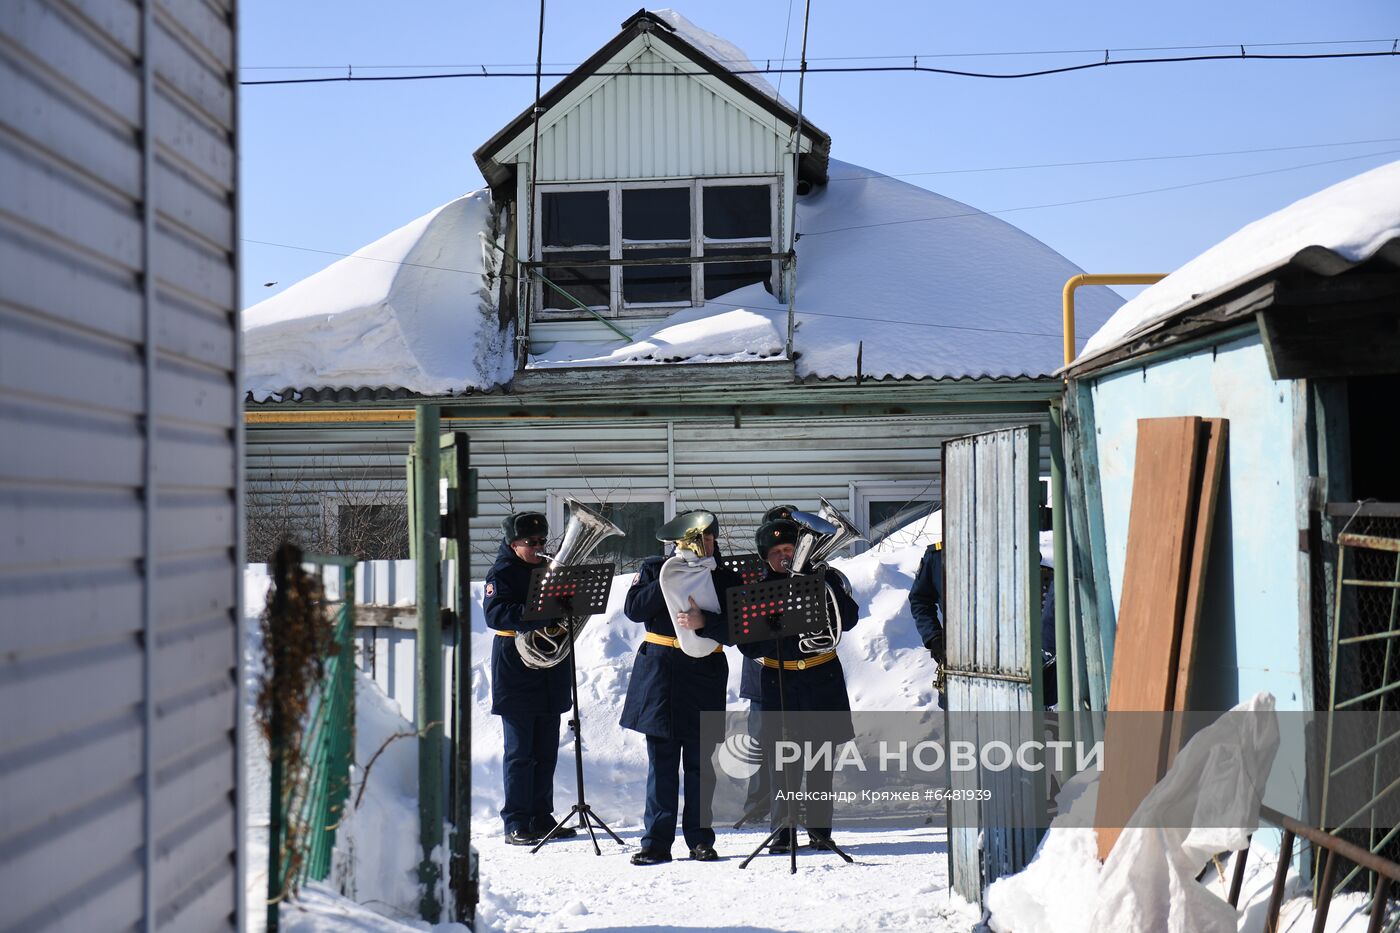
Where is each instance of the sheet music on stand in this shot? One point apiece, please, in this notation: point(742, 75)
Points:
point(777, 609)
point(560, 592)
point(750, 567)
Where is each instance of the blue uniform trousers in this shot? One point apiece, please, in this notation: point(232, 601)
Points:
point(666, 758)
point(759, 796)
point(527, 768)
point(817, 808)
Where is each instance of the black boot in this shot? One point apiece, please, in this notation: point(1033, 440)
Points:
point(704, 853)
point(651, 857)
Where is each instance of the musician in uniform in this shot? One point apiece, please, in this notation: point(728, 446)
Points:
point(759, 799)
point(666, 694)
point(926, 604)
point(810, 683)
point(528, 700)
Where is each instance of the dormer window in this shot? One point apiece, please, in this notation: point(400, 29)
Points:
point(607, 245)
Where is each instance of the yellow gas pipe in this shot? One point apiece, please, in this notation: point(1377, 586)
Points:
point(1141, 278)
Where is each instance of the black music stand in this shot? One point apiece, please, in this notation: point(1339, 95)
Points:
point(568, 593)
point(771, 611)
point(750, 567)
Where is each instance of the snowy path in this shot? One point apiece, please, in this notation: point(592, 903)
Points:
point(898, 882)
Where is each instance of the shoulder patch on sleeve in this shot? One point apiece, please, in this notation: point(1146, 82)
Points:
point(636, 578)
point(490, 588)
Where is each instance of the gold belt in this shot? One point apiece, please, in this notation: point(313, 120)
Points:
point(504, 634)
point(670, 642)
point(801, 665)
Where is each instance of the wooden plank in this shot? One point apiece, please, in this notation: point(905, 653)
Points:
point(1149, 620)
point(1215, 432)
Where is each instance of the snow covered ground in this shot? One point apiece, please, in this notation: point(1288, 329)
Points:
point(899, 880)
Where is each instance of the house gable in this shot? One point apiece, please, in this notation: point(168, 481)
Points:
point(647, 43)
point(649, 115)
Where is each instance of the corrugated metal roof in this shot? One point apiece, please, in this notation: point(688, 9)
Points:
point(340, 395)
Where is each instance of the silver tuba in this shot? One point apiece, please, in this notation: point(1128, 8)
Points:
point(546, 647)
point(686, 574)
point(819, 537)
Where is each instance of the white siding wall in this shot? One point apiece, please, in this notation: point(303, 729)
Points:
point(644, 126)
point(119, 466)
point(736, 472)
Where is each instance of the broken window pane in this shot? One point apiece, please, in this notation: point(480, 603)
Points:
point(723, 277)
point(737, 211)
point(574, 218)
point(656, 214)
point(589, 284)
point(659, 283)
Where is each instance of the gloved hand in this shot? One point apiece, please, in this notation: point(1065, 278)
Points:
point(937, 649)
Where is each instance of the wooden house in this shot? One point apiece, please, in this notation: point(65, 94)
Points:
point(682, 301)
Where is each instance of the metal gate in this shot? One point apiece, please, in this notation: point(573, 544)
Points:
point(992, 602)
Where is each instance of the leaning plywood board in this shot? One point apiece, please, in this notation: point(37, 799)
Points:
point(1215, 432)
point(1165, 485)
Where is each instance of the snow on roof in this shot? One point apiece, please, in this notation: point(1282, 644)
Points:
point(918, 284)
point(407, 310)
point(708, 334)
point(721, 50)
point(1353, 219)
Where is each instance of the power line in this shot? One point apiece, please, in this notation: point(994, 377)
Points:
point(787, 34)
point(1107, 61)
point(852, 58)
point(1106, 197)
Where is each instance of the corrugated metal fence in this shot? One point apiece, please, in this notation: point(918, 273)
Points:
point(119, 468)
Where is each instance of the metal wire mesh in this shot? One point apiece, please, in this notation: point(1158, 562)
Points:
point(1363, 674)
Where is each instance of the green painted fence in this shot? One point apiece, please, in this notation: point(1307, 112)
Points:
point(308, 803)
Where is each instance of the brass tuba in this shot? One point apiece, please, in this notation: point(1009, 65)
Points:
point(686, 573)
point(546, 647)
point(819, 537)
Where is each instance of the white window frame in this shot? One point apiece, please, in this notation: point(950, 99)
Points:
point(614, 281)
point(617, 305)
point(621, 295)
point(863, 492)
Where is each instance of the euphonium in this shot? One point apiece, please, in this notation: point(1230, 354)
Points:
point(821, 536)
point(687, 573)
point(546, 647)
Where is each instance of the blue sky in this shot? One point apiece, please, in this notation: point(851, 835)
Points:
point(329, 168)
